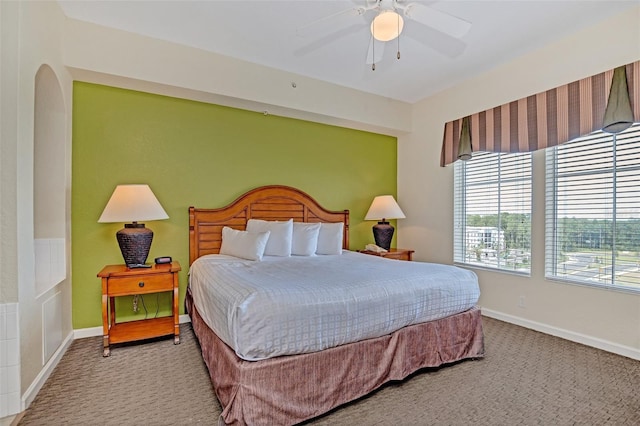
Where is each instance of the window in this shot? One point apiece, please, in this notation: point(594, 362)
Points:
point(593, 210)
point(492, 211)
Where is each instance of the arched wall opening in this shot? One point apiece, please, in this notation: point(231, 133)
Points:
point(49, 204)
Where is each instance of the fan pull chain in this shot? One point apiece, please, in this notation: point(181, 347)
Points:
point(373, 48)
point(373, 53)
point(398, 55)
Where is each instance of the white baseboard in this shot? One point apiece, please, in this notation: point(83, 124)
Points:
point(594, 342)
point(81, 333)
point(41, 378)
point(8, 421)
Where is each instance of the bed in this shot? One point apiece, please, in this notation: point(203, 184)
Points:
point(258, 383)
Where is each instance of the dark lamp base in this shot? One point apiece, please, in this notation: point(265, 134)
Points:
point(134, 241)
point(383, 233)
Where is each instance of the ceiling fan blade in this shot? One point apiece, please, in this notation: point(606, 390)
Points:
point(323, 41)
point(379, 51)
point(330, 22)
point(440, 21)
point(447, 46)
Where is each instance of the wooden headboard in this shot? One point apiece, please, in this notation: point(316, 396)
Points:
point(273, 202)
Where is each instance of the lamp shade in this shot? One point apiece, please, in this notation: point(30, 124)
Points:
point(133, 203)
point(618, 116)
point(384, 207)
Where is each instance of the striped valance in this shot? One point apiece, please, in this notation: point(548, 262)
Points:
point(539, 121)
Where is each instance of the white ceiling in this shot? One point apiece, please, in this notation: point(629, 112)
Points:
point(334, 50)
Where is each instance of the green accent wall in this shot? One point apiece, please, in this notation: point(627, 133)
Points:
point(197, 154)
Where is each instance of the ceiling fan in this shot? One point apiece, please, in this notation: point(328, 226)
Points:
point(386, 20)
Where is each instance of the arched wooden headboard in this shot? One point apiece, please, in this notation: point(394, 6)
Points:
point(273, 202)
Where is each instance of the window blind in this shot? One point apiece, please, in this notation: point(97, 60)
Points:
point(492, 211)
point(593, 210)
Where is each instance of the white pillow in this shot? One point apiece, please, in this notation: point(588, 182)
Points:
point(305, 238)
point(330, 238)
point(247, 245)
point(281, 234)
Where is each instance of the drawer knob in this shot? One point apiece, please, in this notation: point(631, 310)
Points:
point(141, 284)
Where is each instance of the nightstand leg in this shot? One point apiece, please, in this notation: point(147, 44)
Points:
point(105, 343)
point(112, 310)
point(176, 310)
point(105, 319)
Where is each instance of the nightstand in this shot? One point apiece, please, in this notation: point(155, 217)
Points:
point(118, 280)
point(394, 253)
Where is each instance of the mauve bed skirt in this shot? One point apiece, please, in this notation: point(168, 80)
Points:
point(290, 389)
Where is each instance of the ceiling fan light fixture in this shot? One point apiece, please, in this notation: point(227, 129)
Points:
point(387, 25)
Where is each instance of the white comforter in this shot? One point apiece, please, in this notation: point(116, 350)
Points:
point(293, 305)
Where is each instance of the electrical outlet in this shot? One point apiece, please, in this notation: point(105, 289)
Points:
point(135, 303)
point(522, 302)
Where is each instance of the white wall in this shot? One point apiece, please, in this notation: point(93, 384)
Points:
point(9, 77)
point(31, 37)
point(602, 318)
point(9, 324)
point(102, 55)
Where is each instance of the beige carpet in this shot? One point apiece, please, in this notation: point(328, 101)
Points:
point(527, 378)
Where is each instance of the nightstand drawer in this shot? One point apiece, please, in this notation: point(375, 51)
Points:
point(120, 286)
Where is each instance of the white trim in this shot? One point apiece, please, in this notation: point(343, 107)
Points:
point(87, 332)
point(31, 392)
point(51, 337)
point(11, 420)
point(81, 333)
point(594, 342)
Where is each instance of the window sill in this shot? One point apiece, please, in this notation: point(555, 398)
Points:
point(487, 268)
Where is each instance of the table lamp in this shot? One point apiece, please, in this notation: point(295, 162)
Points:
point(382, 208)
point(133, 203)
